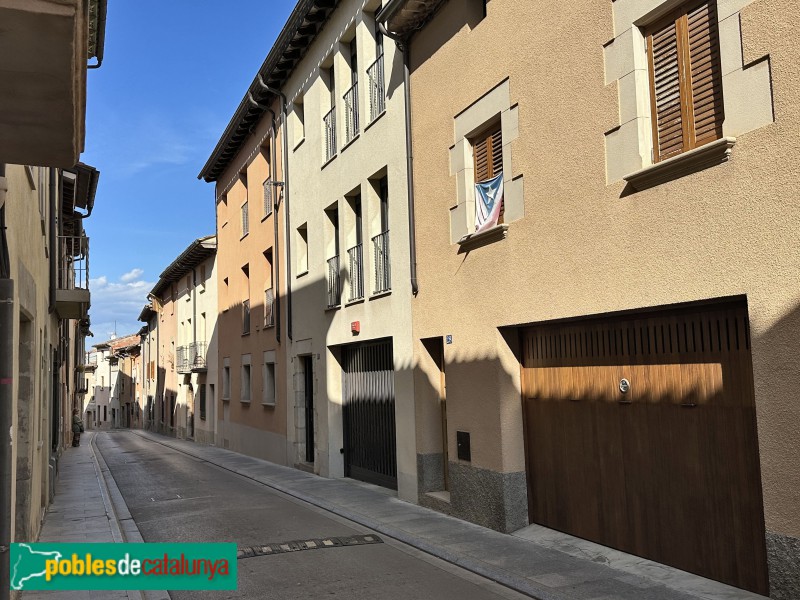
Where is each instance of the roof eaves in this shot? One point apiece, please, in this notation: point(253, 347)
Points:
point(199, 250)
point(247, 114)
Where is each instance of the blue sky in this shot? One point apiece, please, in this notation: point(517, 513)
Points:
point(173, 74)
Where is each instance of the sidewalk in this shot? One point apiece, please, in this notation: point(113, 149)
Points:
point(541, 563)
point(88, 507)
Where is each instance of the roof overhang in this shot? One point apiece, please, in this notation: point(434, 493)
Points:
point(146, 314)
point(198, 251)
point(303, 25)
point(80, 188)
point(45, 45)
point(403, 17)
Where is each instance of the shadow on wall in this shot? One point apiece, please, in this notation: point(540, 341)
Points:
point(775, 362)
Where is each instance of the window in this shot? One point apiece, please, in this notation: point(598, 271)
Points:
point(483, 134)
point(298, 121)
point(671, 66)
point(245, 219)
point(267, 198)
point(226, 379)
point(685, 80)
point(202, 278)
point(202, 402)
point(329, 120)
point(487, 151)
point(172, 411)
point(302, 249)
point(246, 301)
point(269, 295)
point(269, 394)
point(245, 317)
point(245, 394)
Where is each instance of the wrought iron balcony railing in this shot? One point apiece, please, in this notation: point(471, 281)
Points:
point(329, 123)
point(182, 364)
point(351, 113)
point(383, 267)
point(267, 198)
point(356, 255)
point(73, 270)
point(334, 289)
point(191, 357)
point(377, 89)
point(269, 308)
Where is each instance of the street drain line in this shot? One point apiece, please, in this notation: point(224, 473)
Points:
point(313, 544)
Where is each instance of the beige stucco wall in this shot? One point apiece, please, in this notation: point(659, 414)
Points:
point(193, 302)
point(250, 427)
point(582, 246)
point(378, 150)
point(31, 388)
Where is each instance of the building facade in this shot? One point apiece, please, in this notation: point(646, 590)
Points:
point(177, 350)
point(343, 404)
point(625, 325)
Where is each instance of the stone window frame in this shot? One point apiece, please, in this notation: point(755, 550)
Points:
point(746, 94)
point(492, 107)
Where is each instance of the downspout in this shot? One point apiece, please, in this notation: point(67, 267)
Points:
point(272, 175)
point(402, 45)
point(6, 395)
point(286, 211)
point(53, 241)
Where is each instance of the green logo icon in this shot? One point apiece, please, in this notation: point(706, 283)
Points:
point(123, 566)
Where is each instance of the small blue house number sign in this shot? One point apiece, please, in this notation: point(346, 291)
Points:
point(448, 339)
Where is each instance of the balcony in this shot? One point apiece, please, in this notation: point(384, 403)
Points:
point(329, 123)
point(269, 308)
point(45, 48)
point(191, 358)
point(72, 287)
point(377, 89)
point(383, 268)
point(334, 288)
point(351, 114)
point(356, 256)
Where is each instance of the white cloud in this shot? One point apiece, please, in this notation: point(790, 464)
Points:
point(117, 303)
point(131, 275)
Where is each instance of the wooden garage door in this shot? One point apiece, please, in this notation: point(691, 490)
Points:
point(668, 470)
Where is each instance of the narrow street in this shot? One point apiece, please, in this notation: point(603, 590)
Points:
point(174, 497)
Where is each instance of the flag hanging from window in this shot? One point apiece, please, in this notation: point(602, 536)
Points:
point(488, 203)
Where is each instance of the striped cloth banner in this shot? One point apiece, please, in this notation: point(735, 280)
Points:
point(488, 202)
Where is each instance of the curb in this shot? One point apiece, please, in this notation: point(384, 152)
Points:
point(518, 584)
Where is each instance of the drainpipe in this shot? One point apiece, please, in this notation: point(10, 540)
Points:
point(287, 235)
point(53, 241)
point(272, 176)
point(402, 45)
point(6, 388)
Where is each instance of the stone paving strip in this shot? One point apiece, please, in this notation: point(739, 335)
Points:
point(537, 562)
point(88, 507)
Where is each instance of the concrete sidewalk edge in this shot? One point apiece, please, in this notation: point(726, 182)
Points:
point(482, 569)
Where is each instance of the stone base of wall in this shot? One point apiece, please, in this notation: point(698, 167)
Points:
point(783, 556)
point(488, 498)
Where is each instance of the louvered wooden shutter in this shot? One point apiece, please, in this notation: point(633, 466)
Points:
point(685, 80)
point(706, 74)
point(488, 151)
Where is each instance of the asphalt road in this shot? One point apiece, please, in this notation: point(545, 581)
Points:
point(177, 498)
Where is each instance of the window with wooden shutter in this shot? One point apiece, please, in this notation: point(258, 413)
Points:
point(685, 80)
point(487, 149)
